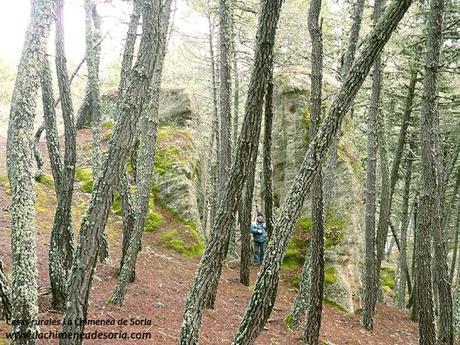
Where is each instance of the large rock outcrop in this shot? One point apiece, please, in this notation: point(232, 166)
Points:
point(344, 229)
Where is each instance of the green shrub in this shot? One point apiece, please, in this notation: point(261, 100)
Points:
point(46, 180)
point(85, 176)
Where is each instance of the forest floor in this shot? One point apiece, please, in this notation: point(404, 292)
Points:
point(163, 279)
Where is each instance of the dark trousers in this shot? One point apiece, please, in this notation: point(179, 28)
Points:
point(259, 251)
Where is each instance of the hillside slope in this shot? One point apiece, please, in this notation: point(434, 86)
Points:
point(163, 278)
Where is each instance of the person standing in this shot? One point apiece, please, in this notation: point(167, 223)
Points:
point(259, 232)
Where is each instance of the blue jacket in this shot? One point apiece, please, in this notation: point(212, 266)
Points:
point(259, 231)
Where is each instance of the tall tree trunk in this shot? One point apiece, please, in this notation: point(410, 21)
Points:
point(214, 141)
point(245, 220)
point(348, 59)
point(430, 220)
point(93, 33)
point(210, 266)
point(457, 230)
point(225, 114)
point(5, 296)
point(19, 165)
point(413, 299)
point(125, 185)
point(403, 130)
point(267, 165)
point(128, 113)
point(370, 278)
point(316, 262)
point(61, 242)
point(147, 138)
point(456, 306)
point(404, 227)
point(385, 202)
point(263, 297)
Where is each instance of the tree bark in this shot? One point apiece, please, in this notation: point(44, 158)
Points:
point(210, 267)
point(404, 227)
point(370, 277)
point(348, 59)
point(403, 130)
point(147, 138)
point(316, 262)
point(19, 165)
point(267, 165)
point(5, 296)
point(385, 202)
point(456, 306)
point(61, 243)
point(457, 230)
point(430, 220)
point(128, 113)
point(225, 114)
point(264, 294)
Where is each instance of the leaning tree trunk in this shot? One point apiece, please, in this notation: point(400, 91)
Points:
point(264, 294)
point(385, 202)
point(348, 59)
point(404, 227)
point(61, 243)
point(93, 110)
point(316, 262)
point(210, 267)
point(147, 139)
point(267, 165)
point(128, 113)
point(225, 143)
point(370, 278)
point(19, 164)
point(430, 220)
point(5, 296)
point(125, 186)
point(403, 130)
point(413, 299)
point(244, 217)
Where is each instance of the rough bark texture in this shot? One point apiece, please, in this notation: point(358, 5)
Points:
point(316, 262)
point(5, 295)
point(91, 101)
point(210, 267)
point(89, 110)
point(385, 202)
point(403, 131)
point(244, 217)
point(456, 306)
point(348, 59)
point(61, 243)
point(404, 227)
point(19, 164)
point(430, 219)
point(457, 230)
point(267, 165)
point(225, 114)
point(147, 138)
point(413, 299)
point(263, 297)
point(128, 113)
point(125, 186)
point(370, 277)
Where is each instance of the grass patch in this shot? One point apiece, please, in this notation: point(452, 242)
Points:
point(153, 221)
point(85, 176)
point(46, 180)
point(293, 258)
point(387, 278)
point(172, 240)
